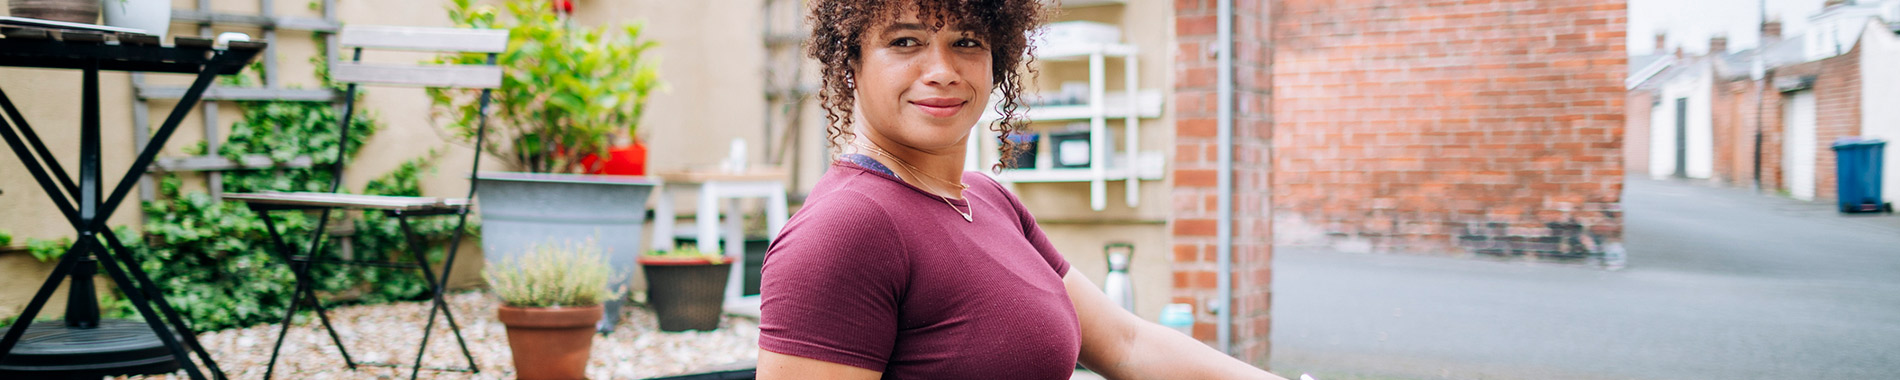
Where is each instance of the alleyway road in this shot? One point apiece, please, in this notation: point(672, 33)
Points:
point(1721, 284)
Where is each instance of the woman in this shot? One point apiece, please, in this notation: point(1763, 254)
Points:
point(901, 265)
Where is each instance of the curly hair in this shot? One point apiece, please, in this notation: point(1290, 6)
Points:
point(839, 25)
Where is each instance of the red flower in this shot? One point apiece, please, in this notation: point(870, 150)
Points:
point(564, 6)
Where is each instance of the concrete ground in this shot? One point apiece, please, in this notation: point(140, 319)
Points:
point(1721, 284)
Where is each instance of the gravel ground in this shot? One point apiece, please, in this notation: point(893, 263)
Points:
point(390, 333)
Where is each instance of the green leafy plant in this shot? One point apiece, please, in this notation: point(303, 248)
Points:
point(687, 251)
point(5, 239)
point(551, 275)
point(46, 250)
point(566, 92)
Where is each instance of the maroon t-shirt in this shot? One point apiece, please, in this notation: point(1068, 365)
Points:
point(878, 274)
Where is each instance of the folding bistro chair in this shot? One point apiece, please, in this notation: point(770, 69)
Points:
point(485, 77)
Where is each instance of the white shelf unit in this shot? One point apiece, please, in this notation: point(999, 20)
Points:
point(1132, 105)
point(1089, 3)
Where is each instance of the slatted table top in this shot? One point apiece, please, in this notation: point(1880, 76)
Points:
point(23, 45)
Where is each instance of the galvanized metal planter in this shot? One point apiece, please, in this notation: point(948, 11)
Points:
point(520, 210)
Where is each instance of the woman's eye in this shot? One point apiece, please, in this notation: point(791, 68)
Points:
point(906, 42)
point(969, 43)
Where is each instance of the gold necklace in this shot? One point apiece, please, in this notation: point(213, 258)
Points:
point(881, 152)
point(967, 216)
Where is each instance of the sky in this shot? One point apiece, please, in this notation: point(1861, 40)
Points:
point(1690, 23)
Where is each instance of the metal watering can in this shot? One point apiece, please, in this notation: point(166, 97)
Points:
point(1120, 289)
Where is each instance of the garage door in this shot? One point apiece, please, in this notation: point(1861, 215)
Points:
point(1798, 145)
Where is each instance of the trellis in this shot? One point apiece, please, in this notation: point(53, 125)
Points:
point(210, 163)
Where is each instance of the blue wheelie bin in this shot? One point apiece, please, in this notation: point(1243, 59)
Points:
point(1857, 168)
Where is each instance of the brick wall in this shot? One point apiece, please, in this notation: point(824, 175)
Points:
point(1772, 130)
point(1736, 105)
point(1723, 104)
point(1752, 102)
point(1636, 111)
point(1491, 127)
point(1837, 114)
point(1837, 92)
point(1195, 172)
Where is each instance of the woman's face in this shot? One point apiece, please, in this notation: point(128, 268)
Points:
point(919, 88)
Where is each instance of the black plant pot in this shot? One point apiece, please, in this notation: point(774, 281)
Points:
point(686, 294)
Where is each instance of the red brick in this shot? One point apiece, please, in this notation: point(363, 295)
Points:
point(1194, 227)
point(1196, 177)
point(1196, 128)
point(1201, 25)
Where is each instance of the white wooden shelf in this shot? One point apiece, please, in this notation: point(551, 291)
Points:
point(1077, 52)
point(1098, 109)
point(1147, 106)
point(1150, 166)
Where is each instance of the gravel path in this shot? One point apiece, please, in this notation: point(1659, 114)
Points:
point(390, 333)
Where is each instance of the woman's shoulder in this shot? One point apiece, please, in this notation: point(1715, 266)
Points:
point(843, 205)
point(847, 192)
point(985, 184)
point(840, 225)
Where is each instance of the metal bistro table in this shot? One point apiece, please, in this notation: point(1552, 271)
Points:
point(86, 205)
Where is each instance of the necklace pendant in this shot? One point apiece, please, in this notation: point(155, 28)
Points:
point(966, 217)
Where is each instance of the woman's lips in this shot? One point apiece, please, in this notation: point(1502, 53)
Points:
point(938, 107)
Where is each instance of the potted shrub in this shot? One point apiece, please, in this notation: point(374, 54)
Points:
point(152, 16)
point(551, 298)
point(686, 287)
point(566, 93)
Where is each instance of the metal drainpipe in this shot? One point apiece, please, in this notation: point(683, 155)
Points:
point(1224, 92)
point(1760, 85)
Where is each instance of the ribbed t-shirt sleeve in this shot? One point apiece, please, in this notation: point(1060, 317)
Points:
point(831, 284)
point(1032, 231)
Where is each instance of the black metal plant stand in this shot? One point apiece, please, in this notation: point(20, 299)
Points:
point(86, 205)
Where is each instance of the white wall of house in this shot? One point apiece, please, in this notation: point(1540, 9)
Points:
point(1661, 114)
point(1880, 99)
point(1835, 29)
point(1699, 137)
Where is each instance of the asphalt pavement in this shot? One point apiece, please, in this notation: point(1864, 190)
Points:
point(1721, 283)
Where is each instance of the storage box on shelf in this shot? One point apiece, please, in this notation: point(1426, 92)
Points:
point(1131, 165)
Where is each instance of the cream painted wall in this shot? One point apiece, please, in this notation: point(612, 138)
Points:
point(1880, 100)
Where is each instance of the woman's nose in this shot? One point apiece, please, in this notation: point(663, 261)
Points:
point(940, 68)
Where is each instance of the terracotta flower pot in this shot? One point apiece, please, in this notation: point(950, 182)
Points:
point(686, 293)
point(79, 11)
point(550, 343)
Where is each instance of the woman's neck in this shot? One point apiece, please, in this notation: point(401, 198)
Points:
point(939, 172)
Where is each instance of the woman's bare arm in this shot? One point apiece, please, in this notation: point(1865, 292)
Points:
point(776, 366)
point(1119, 345)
